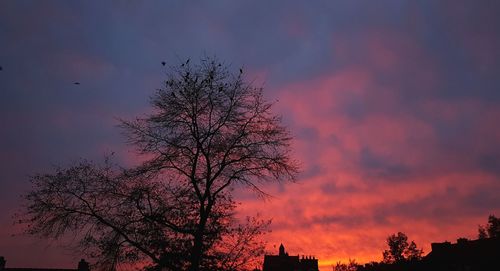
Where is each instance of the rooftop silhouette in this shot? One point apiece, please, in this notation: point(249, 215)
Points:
point(471, 255)
point(284, 262)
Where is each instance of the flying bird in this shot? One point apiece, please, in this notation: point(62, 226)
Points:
point(163, 63)
point(241, 70)
point(76, 83)
point(1, 68)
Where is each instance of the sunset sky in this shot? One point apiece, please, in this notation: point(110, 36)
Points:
point(394, 107)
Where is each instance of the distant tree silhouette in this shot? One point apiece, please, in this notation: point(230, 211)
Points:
point(399, 250)
point(351, 266)
point(210, 132)
point(482, 234)
point(490, 230)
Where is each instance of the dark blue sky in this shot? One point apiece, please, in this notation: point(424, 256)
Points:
point(394, 106)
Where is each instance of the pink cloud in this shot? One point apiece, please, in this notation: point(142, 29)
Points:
point(380, 172)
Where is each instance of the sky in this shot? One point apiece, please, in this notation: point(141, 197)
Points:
point(394, 108)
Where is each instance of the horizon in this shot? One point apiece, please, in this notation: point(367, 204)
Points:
point(393, 107)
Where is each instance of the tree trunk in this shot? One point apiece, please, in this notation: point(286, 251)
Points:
point(196, 252)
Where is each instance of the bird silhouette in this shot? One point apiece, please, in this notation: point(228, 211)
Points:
point(187, 61)
point(163, 63)
point(1, 68)
point(76, 83)
point(241, 70)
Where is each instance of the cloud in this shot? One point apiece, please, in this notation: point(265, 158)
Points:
point(392, 157)
point(393, 106)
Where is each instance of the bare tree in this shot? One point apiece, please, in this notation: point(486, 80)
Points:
point(210, 132)
point(399, 250)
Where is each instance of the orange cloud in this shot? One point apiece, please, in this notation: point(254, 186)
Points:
point(372, 168)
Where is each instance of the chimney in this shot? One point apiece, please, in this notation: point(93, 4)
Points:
point(83, 265)
point(2, 263)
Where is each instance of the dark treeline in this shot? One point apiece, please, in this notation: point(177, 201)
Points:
point(473, 255)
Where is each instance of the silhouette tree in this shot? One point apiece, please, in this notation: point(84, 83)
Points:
point(399, 250)
point(210, 132)
point(351, 266)
point(490, 230)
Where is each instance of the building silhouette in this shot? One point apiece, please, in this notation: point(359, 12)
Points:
point(481, 254)
point(464, 255)
point(285, 262)
point(82, 266)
